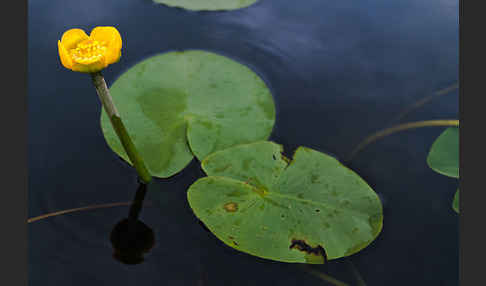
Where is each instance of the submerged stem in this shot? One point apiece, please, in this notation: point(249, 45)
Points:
point(33, 219)
point(109, 106)
point(411, 125)
point(137, 204)
point(356, 273)
point(425, 100)
point(323, 276)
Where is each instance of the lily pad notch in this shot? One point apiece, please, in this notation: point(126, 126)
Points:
point(307, 210)
point(181, 105)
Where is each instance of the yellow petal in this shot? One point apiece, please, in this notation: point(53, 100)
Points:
point(72, 37)
point(64, 56)
point(113, 40)
point(89, 68)
point(113, 56)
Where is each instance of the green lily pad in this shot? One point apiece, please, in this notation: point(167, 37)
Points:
point(183, 104)
point(305, 210)
point(455, 202)
point(444, 154)
point(207, 5)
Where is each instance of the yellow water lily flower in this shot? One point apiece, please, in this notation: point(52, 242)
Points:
point(82, 53)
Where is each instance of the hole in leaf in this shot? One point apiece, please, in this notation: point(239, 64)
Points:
point(304, 247)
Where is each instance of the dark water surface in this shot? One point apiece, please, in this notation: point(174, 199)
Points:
point(338, 70)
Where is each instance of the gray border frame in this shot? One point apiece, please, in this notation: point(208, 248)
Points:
point(13, 118)
point(471, 54)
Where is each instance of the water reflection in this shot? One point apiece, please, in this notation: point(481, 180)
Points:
point(131, 238)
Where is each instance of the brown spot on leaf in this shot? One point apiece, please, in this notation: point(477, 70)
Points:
point(231, 207)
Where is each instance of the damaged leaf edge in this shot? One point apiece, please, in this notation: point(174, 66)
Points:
point(353, 250)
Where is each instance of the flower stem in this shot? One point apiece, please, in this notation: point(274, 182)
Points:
point(109, 106)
